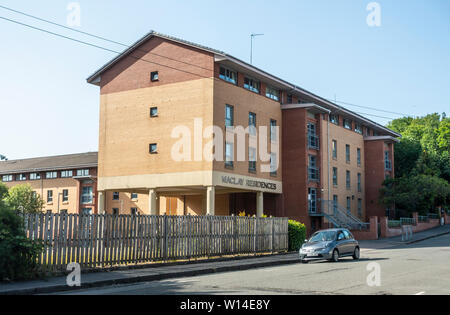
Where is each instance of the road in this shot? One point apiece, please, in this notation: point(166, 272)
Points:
point(420, 269)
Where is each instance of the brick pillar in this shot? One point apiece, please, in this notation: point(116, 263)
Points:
point(374, 227)
point(384, 227)
point(416, 216)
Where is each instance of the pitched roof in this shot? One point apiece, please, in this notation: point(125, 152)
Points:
point(49, 163)
point(292, 87)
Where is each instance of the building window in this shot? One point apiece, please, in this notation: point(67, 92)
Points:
point(49, 196)
point(153, 148)
point(229, 116)
point(228, 75)
point(272, 93)
point(252, 85)
point(347, 180)
point(65, 195)
point(387, 161)
point(116, 195)
point(229, 155)
point(87, 195)
point(21, 177)
point(134, 211)
point(349, 205)
point(334, 119)
point(334, 149)
point(335, 203)
point(7, 178)
point(313, 139)
point(134, 196)
point(154, 112)
point(273, 130)
point(359, 183)
point(50, 175)
point(312, 200)
point(347, 153)
point(347, 124)
point(358, 129)
point(154, 76)
point(367, 132)
point(360, 208)
point(273, 164)
point(66, 174)
point(335, 176)
point(252, 123)
point(252, 159)
point(289, 99)
point(358, 156)
point(115, 211)
point(82, 173)
point(313, 170)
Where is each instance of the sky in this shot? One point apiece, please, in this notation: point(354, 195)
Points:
point(324, 46)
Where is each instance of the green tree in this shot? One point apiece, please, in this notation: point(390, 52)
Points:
point(407, 153)
point(3, 191)
point(23, 198)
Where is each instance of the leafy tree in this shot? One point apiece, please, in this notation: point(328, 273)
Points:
point(22, 198)
point(407, 153)
point(3, 191)
point(420, 193)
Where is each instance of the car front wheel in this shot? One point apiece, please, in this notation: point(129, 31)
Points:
point(335, 257)
point(356, 254)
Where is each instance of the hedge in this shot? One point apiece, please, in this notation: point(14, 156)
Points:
point(297, 235)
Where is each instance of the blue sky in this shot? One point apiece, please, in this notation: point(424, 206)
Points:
point(325, 46)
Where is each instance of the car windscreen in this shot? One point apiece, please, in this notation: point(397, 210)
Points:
point(324, 236)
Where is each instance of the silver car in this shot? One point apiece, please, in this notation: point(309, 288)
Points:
point(330, 245)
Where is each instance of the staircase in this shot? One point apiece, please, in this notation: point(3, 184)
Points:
point(340, 217)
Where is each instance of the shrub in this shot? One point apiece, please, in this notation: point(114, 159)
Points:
point(297, 235)
point(17, 253)
point(22, 198)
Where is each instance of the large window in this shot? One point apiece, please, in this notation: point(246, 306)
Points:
point(49, 196)
point(21, 177)
point(229, 116)
point(334, 119)
point(334, 149)
point(313, 170)
point(252, 123)
point(358, 156)
point(273, 130)
point(134, 196)
point(358, 129)
point(87, 195)
point(347, 180)
point(313, 139)
point(50, 175)
point(82, 172)
point(252, 85)
point(359, 183)
point(229, 155)
point(347, 124)
point(360, 208)
point(66, 174)
point(312, 200)
point(65, 194)
point(116, 195)
point(252, 159)
point(273, 164)
point(347, 153)
point(335, 203)
point(387, 161)
point(228, 75)
point(7, 178)
point(335, 176)
point(35, 176)
point(349, 205)
point(272, 93)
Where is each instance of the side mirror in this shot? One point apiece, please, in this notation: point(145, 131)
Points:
point(306, 240)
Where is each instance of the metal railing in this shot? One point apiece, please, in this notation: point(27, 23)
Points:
point(408, 221)
point(433, 216)
point(313, 141)
point(340, 217)
point(423, 218)
point(394, 223)
point(313, 174)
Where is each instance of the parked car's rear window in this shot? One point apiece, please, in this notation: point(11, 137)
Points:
point(324, 236)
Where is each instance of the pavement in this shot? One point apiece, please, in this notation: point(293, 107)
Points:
point(161, 272)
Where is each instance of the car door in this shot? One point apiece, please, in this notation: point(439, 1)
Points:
point(341, 243)
point(349, 242)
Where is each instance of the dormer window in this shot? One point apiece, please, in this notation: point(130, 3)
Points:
point(272, 93)
point(347, 124)
point(334, 119)
point(358, 129)
point(252, 85)
point(228, 75)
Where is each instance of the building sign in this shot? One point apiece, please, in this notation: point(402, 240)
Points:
point(231, 180)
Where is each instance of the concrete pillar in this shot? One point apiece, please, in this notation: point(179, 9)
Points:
point(259, 204)
point(210, 200)
point(153, 202)
point(101, 202)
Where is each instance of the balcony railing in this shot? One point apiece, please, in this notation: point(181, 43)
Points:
point(313, 141)
point(313, 174)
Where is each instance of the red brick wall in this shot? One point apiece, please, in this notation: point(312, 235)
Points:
point(375, 175)
point(371, 234)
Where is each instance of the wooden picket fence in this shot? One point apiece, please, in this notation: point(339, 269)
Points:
point(101, 241)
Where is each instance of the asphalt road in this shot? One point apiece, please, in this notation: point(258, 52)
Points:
point(419, 269)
